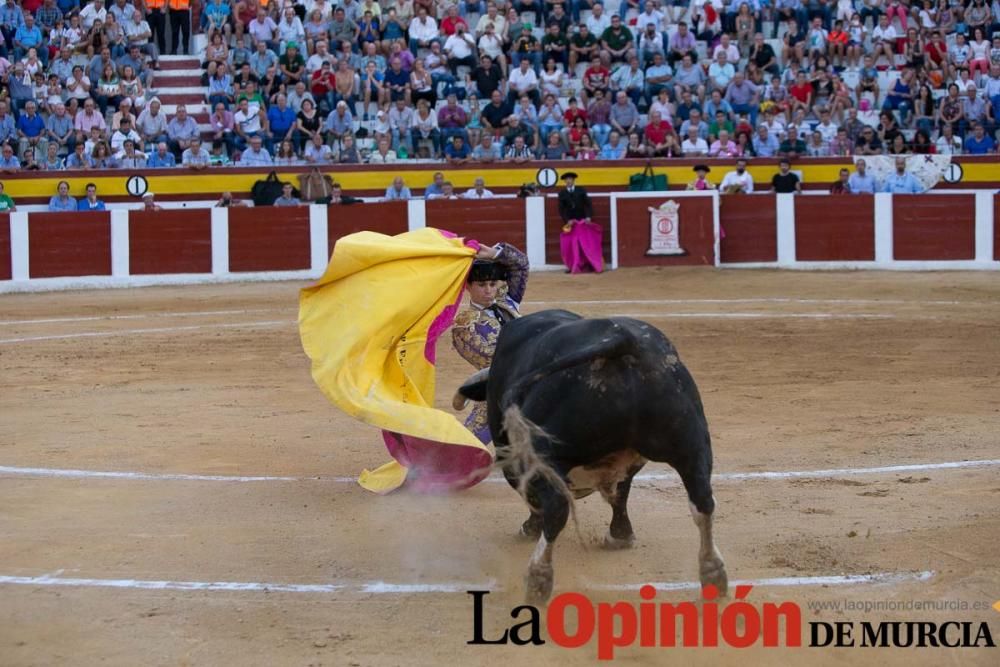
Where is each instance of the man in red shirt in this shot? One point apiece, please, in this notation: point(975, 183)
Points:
point(596, 77)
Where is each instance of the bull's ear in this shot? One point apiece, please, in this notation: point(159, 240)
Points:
point(473, 389)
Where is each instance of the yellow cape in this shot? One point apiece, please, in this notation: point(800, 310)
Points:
point(365, 326)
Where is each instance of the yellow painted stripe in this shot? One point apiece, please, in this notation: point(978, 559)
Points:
point(182, 182)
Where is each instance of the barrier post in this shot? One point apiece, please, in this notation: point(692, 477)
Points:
point(883, 229)
point(416, 214)
point(19, 269)
point(220, 241)
point(319, 238)
point(119, 243)
point(534, 233)
point(784, 213)
point(985, 224)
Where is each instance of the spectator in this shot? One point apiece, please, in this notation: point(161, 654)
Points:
point(149, 203)
point(129, 157)
point(793, 146)
point(62, 202)
point(457, 151)
point(52, 160)
point(624, 115)
point(161, 158)
point(764, 143)
point(739, 181)
point(195, 157)
point(397, 190)
point(90, 202)
point(478, 190)
point(785, 182)
point(286, 198)
point(487, 150)
point(31, 130)
point(842, 185)
point(860, 182)
point(182, 130)
point(979, 143)
point(6, 203)
point(8, 161)
point(902, 181)
point(256, 155)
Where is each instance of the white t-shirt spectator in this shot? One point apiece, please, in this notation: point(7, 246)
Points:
point(458, 46)
point(522, 81)
point(423, 31)
point(697, 147)
point(887, 34)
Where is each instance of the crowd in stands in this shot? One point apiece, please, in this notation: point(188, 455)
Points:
point(350, 81)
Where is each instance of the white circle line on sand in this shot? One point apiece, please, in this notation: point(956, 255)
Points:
point(751, 300)
point(389, 588)
point(63, 473)
point(152, 330)
point(273, 323)
point(140, 316)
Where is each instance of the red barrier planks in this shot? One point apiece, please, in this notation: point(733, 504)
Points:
point(390, 217)
point(834, 228)
point(750, 226)
point(269, 238)
point(69, 244)
point(488, 221)
point(170, 241)
point(697, 235)
point(6, 270)
point(934, 227)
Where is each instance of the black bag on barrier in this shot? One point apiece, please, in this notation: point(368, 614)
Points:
point(266, 191)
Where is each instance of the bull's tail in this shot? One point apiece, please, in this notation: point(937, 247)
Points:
point(616, 343)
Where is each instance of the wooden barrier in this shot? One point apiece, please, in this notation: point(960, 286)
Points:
point(69, 244)
point(178, 246)
point(170, 242)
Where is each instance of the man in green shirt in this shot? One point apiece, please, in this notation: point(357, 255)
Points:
point(617, 40)
point(582, 47)
point(6, 203)
point(720, 123)
point(555, 46)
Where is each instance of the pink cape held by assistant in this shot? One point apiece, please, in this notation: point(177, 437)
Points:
point(581, 246)
point(370, 326)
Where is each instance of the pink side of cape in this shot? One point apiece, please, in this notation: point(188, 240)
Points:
point(581, 247)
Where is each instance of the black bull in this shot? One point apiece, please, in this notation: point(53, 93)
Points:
point(594, 400)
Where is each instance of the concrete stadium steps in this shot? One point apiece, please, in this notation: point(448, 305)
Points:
point(168, 63)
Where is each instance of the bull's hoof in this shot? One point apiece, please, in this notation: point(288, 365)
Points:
point(531, 529)
point(713, 571)
point(538, 584)
point(614, 543)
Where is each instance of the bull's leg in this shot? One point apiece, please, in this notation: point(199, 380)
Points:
point(711, 567)
point(620, 534)
point(532, 526)
point(554, 514)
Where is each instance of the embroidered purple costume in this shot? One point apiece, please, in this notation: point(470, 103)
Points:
point(476, 328)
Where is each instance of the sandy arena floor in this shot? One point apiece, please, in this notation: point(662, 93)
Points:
point(799, 372)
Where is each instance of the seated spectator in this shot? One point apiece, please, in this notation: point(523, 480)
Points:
point(383, 154)
point(161, 157)
point(62, 202)
point(90, 202)
point(52, 160)
point(979, 143)
point(256, 155)
point(723, 146)
point(555, 148)
point(842, 185)
point(6, 203)
point(9, 163)
point(792, 146)
point(487, 150)
point(785, 182)
point(129, 157)
point(478, 190)
point(457, 151)
point(902, 181)
point(518, 151)
point(614, 149)
point(737, 182)
point(287, 198)
point(397, 190)
point(195, 157)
